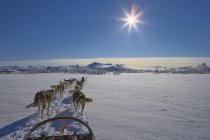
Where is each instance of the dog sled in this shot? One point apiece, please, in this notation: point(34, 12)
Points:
point(58, 118)
point(63, 126)
point(60, 128)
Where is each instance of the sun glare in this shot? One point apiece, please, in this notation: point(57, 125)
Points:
point(132, 19)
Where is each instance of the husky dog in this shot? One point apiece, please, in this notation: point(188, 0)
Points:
point(62, 87)
point(74, 79)
point(75, 95)
point(79, 83)
point(41, 100)
point(77, 87)
point(79, 98)
point(82, 80)
point(70, 81)
point(52, 92)
point(65, 84)
point(58, 88)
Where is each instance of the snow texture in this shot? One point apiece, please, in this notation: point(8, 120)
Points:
point(126, 106)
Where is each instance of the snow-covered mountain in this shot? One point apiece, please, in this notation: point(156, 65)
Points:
point(108, 67)
point(96, 65)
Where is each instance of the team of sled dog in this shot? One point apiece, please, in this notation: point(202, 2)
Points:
point(43, 98)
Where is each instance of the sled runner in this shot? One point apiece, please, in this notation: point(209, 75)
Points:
point(62, 130)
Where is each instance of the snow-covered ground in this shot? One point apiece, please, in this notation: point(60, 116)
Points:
point(126, 106)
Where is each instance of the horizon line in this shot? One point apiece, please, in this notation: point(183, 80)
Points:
point(130, 61)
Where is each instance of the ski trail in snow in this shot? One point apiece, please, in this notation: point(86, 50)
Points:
point(59, 107)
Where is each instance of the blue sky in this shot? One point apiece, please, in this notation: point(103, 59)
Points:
point(54, 29)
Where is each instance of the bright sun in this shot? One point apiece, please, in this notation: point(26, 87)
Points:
point(132, 19)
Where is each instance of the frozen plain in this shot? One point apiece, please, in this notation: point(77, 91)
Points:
point(127, 106)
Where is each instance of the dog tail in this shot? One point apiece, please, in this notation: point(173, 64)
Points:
point(31, 105)
point(34, 104)
point(88, 100)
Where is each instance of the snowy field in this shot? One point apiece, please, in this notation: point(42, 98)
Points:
point(126, 106)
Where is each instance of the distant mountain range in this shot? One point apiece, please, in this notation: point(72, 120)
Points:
point(100, 68)
point(95, 66)
point(108, 67)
